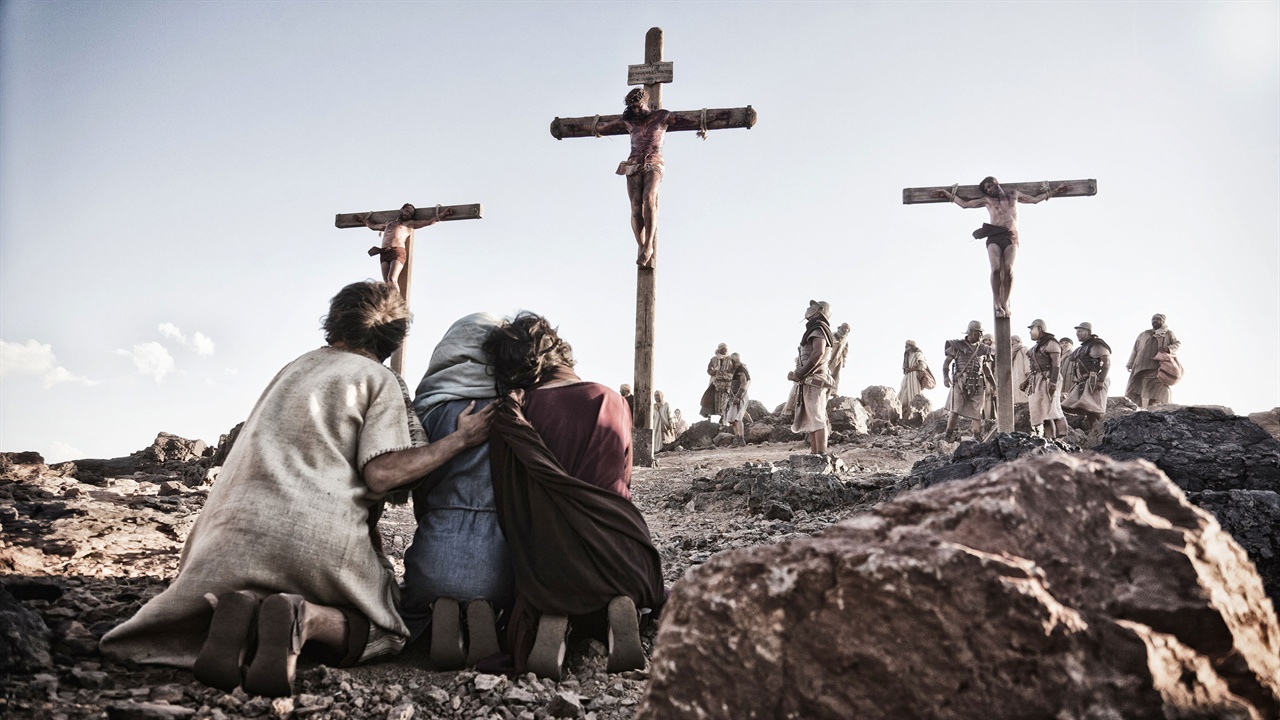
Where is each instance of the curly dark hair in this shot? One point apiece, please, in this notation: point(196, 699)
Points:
point(368, 316)
point(523, 350)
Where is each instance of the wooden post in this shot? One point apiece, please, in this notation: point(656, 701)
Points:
point(1004, 355)
point(457, 212)
point(652, 74)
point(646, 305)
point(1004, 377)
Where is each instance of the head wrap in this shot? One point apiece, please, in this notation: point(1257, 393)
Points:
point(459, 369)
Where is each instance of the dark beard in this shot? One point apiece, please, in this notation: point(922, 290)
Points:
point(630, 115)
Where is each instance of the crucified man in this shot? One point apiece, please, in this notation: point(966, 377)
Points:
point(395, 237)
point(1001, 233)
point(643, 169)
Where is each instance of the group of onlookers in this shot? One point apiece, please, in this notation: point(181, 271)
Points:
point(1049, 375)
point(520, 477)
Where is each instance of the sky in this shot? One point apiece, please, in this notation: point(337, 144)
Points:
point(170, 172)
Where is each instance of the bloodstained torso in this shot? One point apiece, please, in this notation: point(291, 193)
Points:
point(646, 138)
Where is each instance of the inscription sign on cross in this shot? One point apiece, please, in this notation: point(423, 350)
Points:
point(396, 252)
point(647, 122)
point(1001, 200)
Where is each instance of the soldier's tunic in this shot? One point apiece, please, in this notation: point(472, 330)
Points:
point(968, 385)
point(1044, 357)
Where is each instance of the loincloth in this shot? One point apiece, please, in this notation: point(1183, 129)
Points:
point(1001, 237)
point(626, 167)
point(389, 254)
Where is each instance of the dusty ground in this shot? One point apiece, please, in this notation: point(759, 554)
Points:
point(85, 557)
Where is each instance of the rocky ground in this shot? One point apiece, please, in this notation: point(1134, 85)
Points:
point(86, 555)
point(85, 544)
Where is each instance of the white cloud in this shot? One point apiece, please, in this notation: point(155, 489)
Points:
point(62, 452)
point(170, 330)
point(151, 359)
point(202, 344)
point(35, 358)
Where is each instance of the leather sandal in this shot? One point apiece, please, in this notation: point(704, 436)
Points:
point(482, 633)
point(625, 651)
point(446, 636)
point(279, 644)
point(222, 656)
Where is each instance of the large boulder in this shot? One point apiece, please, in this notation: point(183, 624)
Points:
point(1253, 519)
point(700, 435)
point(168, 454)
point(1269, 421)
point(757, 411)
point(971, 457)
point(847, 415)
point(914, 414)
point(1056, 586)
point(1199, 448)
point(24, 638)
point(882, 402)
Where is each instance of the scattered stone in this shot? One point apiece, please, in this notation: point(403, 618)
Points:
point(166, 693)
point(487, 683)
point(282, 707)
point(90, 679)
point(148, 711)
point(170, 488)
point(565, 705)
point(519, 696)
point(401, 712)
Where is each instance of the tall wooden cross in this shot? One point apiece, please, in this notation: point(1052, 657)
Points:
point(455, 212)
point(1004, 357)
point(651, 74)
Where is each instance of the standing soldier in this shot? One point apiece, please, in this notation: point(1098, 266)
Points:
point(966, 371)
point(720, 368)
point(1043, 399)
point(1090, 367)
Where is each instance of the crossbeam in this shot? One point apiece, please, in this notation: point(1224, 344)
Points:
point(682, 120)
point(1071, 188)
point(473, 211)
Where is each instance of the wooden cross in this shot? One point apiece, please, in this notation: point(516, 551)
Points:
point(456, 212)
point(1004, 357)
point(651, 74)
